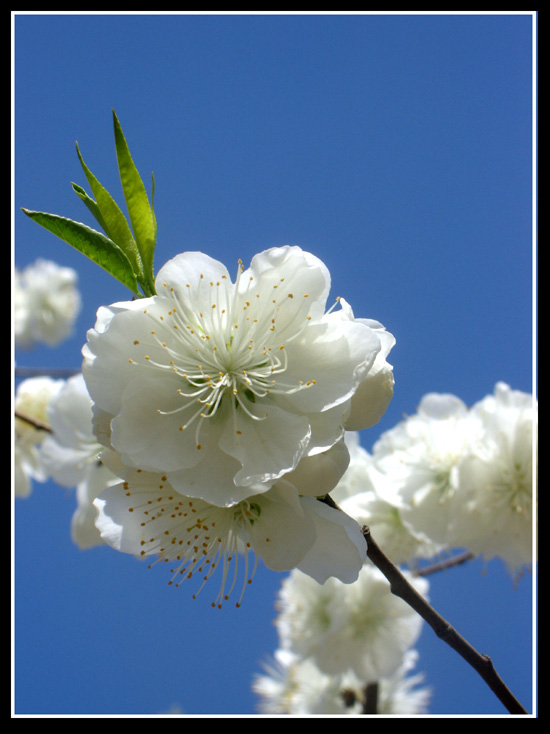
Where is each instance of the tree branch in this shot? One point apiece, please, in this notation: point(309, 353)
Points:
point(40, 425)
point(370, 703)
point(445, 564)
point(401, 588)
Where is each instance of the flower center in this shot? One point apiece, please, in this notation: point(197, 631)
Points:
point(196, 537)
point(228, 342)
point(511, 488)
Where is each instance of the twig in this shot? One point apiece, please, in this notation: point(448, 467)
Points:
point(445, 564)
point(401, 588)
point(40, 425)
point(404, 590)
point(370, 704)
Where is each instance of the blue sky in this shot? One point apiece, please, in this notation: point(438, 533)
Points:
point(398, 149)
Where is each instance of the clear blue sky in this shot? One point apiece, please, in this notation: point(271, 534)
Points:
point(398, 149)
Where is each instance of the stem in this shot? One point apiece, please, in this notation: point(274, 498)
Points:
point(444, 565)
point(401, 588)
point(370, 705)
point(40, 425)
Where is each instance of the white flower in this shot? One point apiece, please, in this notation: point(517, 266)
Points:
point(360, 627)
point(70, 455)
point(276, 686)
point(419, 460)
point(32, 398)
point(296, 686)
point(46, 304)
point(360, 494)
point(146, 516)
point(225, 387)
point(401, 693)
point(496, 479)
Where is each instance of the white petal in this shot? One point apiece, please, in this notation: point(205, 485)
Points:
point(333, 356)
point(370, 401)
point(326, 429)
point(66, 465)
point(107, 367)
point(187, 272)
point(112, 521)
point(317, 475)
point(150, 439)
point(283, 533)
point(295, 272)
point(441, 406)
point(121, 512)
point(83, 529)
point(70, 413)
point(340, 549)
point(267, 447)
point(213, 480)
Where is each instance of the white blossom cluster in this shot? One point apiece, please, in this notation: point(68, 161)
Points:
point(234, 405)
point(210, 419)
point(46, 304)
point(296, 686)
point(221, 407)
point(54, 440)
point(450, 477)
point(225, 404)
point(335, 640)
point(31, 401)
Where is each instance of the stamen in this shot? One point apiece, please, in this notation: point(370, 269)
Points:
point(198, 536)
point(205, 345)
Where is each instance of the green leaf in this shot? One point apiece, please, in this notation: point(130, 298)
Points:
point(139, 210)
point(114, 222)
point(92, 206)
point(99, 248)
point(152, 204)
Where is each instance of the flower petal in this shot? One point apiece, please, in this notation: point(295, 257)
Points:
point(267, 447)
point(147, 433)
point(333, 357)
point(107, 366)
point(371, 399)
point(187, 273)
point(213, 480)
point(340, 549)
point(83, 529)
point(295, 277)
point(283, 533)
point(317, 475)
point(113, 521)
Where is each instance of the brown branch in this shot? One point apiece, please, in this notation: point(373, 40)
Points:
point(370, 703)
point(401, 588)
point(40, 425)
point(445, 564)
point(404, 590)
